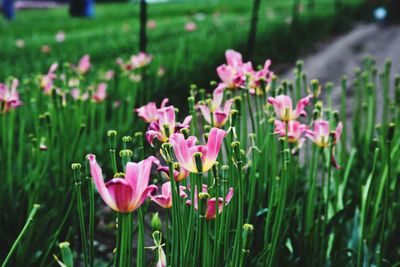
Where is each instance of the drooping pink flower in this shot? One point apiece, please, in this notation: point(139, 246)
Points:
point(185, 150)
point(190, 26)
point(9, 96)
point(165, 198)
point(47, 81)
point(295, 130)
point(212, 112)
point(148, 112)
point(141, 60)
point(124, 194)
point(284, 108)
point(211, 211)
point(165, 126)
point(77, 95)
point(179, 172)
point(320, 135)
point(83, 65)
point(60, 36)
point(100, 94)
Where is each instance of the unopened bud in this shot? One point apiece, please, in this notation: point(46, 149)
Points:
point(156, 222)
point(199, 164)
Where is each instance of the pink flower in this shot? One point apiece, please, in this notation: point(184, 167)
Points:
point(124, 195)
point(151, 24)
point(128, 66)
point(100, 93)
point(161, 71)
point(255, 79)
point(232, 74)
point(321, 132)
point(76, 95)
point(165, 126)
point(108, 75)
point(295, 130)
point(219, 115)
point(233, 58)
point(10, 96)
point(179, 172)
point(165, 199)
point(141, 60)
point(60, 36)
point(185, 150)
point(83, 65)
point(284, 109)
point(211, 210)
point(190, 26)
point(46, 82)
point(149, 112)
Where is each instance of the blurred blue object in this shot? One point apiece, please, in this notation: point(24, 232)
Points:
point(8, 9)
point(380, 13)
point(81, 8)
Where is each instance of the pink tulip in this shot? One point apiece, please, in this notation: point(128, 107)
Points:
point(124, 195)
point(211, 210)
point(230, 77)
point(149, 112)
point(9, 96)
point(295, 130)
point(321, 133)
point(60, 36)
point(165, 126)
point(165, 198)
point(190, 26)
point(255, 79)
point(84, 65)
point(100, 93)
point(108, 75)
point(179, 172)
point(141, 60)
point(47, 80)
point(219, 116)
point(185, 150)
point(76, 95)
point(284, 109)
point(233, 58)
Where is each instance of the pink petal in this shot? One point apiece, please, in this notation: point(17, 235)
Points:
point(121, 192)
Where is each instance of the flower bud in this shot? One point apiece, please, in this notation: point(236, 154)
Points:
point(126, 139)
point(315, 88)
point(391, 131)
point(156, 222)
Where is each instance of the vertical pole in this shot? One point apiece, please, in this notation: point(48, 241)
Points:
point(8, 9)
point(143, 21)
point(253, 28)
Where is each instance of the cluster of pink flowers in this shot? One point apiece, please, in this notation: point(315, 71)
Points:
point(236, 74)
point(142, 59)
point(9, 96)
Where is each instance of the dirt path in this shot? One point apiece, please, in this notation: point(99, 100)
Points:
point(341, 55)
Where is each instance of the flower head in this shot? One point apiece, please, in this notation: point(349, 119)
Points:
point(185, 150)
point(100, 94)
point(295, 130)
point(284, 108)
point(124, 194)
point(9, 96)
point(148, 112)
point(47, 81)
point(141, 60)
point(190, 26)
point(212, 112)
point(77, 95)
point(83, 65)
point(179, 172)
point(211, 211)
point(320, 135)
point(165, 198)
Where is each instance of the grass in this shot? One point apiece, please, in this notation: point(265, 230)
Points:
point(71, 131)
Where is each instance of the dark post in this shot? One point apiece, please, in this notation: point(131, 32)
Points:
point(253, 28)
point(143, 21)
point(81, 8)
point(8, 9)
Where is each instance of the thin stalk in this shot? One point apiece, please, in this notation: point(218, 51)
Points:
point(140, 262)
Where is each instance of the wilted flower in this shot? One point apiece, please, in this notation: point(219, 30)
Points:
point(149, 112)
point(185, 150)
point(9, 96)
point(284, 108)
point(165, 198)
point(212, 112)
point(124, 194)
